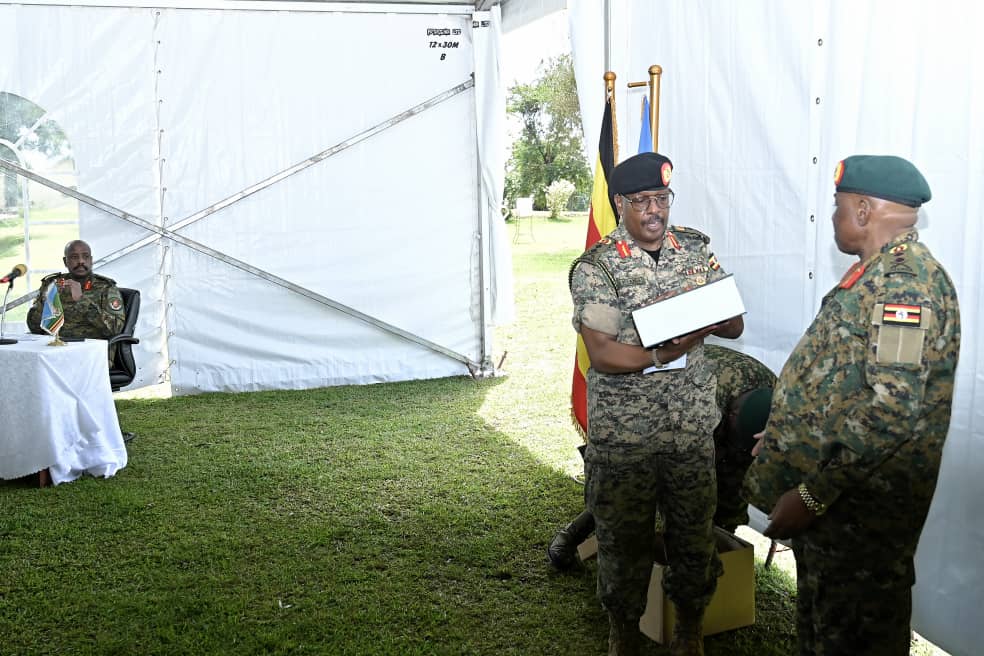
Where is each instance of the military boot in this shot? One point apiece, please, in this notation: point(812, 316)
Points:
point(562, 551)
point(688, 632)
point(624, 638)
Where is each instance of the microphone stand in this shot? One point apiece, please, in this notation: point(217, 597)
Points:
point(3, 317)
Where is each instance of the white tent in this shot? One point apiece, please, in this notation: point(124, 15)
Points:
point(760, 100)
point(306, 194)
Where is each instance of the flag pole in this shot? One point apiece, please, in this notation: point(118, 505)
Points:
point(655, 72)
point(610, 98)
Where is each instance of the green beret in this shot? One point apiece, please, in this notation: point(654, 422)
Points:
point(882, 176)
point(753, 415)
point(642, 172)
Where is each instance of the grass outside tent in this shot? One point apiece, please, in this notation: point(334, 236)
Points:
point(407, 518)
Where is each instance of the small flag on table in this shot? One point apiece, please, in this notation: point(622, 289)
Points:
point(52, 315)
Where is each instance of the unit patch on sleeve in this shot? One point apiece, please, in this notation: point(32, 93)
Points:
point(900, 332)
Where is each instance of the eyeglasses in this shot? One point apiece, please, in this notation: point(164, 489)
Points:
point(663, 201)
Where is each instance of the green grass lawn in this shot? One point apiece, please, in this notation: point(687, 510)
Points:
point(407, 518)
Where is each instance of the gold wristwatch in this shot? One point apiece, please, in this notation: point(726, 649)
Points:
point(815, 506)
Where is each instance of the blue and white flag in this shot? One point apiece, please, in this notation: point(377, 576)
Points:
point(52, 315)
point(645, 133)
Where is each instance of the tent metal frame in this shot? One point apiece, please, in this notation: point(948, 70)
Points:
point(366, 7)
point(160, 232)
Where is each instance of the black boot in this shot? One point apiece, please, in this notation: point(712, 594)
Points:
point(563, 548)
point(688, 632)
point(624, 638)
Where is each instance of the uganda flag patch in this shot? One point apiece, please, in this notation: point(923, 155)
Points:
point(902, 315)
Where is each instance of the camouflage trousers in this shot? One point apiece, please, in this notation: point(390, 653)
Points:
point(625, 487)
point(847, 605)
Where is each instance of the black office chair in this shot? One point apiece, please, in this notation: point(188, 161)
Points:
point(124, 369)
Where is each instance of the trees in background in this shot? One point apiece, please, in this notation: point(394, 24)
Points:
point(550, 144)
point(26, 127)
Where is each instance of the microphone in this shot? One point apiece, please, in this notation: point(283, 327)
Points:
point(18, 270)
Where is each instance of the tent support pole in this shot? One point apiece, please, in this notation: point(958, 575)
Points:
point(166, 233)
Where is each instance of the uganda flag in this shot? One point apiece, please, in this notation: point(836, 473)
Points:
point(601, 221)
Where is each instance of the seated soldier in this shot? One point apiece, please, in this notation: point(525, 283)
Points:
point(92, 304)
point(744, 393)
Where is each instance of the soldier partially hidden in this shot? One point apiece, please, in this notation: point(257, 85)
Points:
point(849, 459)
point(650, 434)
point(744, 390)
point(92, 305)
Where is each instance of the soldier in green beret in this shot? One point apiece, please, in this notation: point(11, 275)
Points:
point(92, 304)
point(850, 455)
point(650, 427)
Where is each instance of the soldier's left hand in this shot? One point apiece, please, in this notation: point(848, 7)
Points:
point(731, 328)
point(74, 288)
point(758, 443)
point(789, 517)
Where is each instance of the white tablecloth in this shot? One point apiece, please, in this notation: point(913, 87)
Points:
point(57, 411)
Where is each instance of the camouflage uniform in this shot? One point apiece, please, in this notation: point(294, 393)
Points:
point(859, 416)
point(736, 374)
point(649, 435)
point(99, 314)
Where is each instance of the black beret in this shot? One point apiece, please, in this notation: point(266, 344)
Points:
point(642, 172)
point(882, 176)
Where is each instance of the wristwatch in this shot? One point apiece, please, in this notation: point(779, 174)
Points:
point(815, 506)
point(656, 361)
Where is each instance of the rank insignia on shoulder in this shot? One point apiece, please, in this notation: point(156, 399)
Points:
point(115, 304)
point(896, 314)
point(852, 276)
point(670, 237)
point(605, 240)
point(712, 263)
point(901, 261)
point(623, 248)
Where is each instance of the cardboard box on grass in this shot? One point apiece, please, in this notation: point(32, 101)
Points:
point(733, 604)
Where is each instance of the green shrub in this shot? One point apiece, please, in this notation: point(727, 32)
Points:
point(558, 194)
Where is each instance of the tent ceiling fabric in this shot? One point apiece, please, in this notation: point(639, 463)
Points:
point(756, 113)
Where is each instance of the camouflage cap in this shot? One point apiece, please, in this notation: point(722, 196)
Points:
point(882, 176)
point(753, 413)
point(642, 172)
